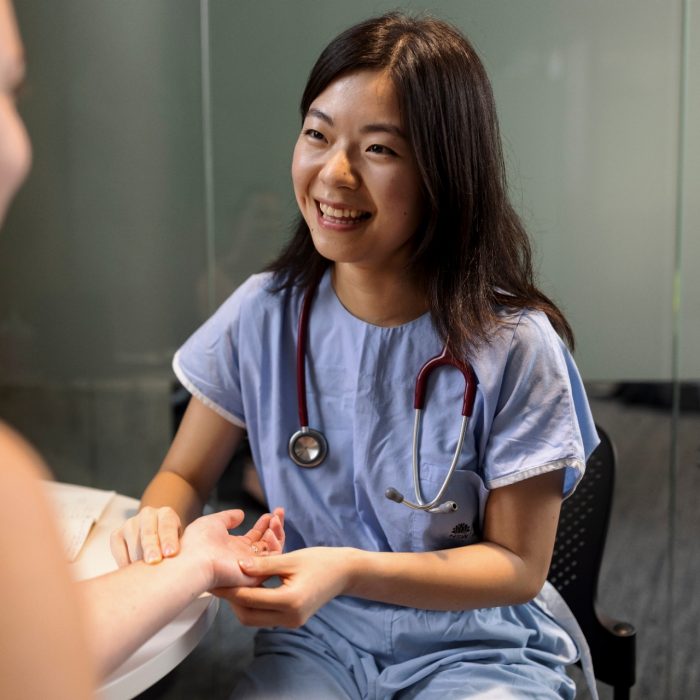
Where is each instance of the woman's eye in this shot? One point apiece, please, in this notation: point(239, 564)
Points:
point(312, 133)
point(381, 150)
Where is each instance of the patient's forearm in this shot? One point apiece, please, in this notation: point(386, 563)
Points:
point(123, 609)
point(43, 649)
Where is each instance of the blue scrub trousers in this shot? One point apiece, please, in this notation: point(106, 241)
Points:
point(358, 649)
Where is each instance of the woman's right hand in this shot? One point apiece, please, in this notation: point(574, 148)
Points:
point(151, 534)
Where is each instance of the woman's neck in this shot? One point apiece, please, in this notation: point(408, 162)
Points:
point(389, 299)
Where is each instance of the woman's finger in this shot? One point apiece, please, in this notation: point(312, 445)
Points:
point(267, 566)
point(257, 618)
point(150, 542)
point(132, 538)
point(252, 617)
point(168, 530)
point(117, 545)
point(260, 598)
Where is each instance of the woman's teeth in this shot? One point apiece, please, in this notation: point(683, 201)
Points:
point(333, 213)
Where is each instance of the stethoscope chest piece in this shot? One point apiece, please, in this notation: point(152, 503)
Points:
point(307, 447)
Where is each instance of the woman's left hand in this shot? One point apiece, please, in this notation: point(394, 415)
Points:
point(310, 578)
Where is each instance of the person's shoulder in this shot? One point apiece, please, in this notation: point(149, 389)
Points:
point(262, 301)
point(264, 293)
point(257, 286)
point(525, 327)
point(520, 336)
point(256, 291)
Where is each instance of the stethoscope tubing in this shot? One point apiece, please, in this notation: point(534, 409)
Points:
point(308, 447)
point(302, 331)
point(420, 503)
point(434, 505)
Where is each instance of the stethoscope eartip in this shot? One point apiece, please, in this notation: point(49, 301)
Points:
point(446, 507)
point(393, 495)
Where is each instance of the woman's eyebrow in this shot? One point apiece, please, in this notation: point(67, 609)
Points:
point(383, 129)
point(313, 112)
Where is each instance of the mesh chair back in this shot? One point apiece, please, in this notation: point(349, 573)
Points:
point(578, 552)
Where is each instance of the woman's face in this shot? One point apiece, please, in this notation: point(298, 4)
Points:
point(355, 176)
point(15, 153)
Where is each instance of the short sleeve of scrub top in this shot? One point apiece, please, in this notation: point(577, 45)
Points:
point(536, 415)
point(207, 365)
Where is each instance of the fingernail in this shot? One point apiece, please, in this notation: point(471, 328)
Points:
point(168, 550)
point(246, 563)
point(152, 558)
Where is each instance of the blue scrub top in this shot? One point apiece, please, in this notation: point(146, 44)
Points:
point(531, 415)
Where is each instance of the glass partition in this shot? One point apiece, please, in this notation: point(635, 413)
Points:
point(104, 250)
point(684, 638)
point(162, 137)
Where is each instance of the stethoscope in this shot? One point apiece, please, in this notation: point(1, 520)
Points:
point(308, 447)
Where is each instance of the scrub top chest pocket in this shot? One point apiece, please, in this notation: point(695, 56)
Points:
point(455, 529)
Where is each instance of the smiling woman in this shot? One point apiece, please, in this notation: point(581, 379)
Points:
point(406, 245)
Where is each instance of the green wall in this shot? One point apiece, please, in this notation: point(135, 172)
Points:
point(109, 259)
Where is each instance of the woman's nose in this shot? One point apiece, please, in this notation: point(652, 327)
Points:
point(338, 171)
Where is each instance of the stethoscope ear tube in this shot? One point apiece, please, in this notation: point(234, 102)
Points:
point(434, 505)
point(301, 357)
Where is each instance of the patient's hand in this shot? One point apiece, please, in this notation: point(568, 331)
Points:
point(207, 542)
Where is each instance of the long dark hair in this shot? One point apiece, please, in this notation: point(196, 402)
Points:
point(472, 254)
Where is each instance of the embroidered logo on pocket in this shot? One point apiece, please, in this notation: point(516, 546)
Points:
point(461, 531)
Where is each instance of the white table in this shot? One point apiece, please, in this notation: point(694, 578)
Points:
point(165, 650)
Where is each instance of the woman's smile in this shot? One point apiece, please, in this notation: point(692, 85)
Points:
point(334, 215)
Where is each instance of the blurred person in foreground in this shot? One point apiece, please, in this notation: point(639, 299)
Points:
point(58, 637)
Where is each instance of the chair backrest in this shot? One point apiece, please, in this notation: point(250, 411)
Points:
point(578, 552)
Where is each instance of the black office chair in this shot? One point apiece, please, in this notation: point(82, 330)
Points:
point(578, 552)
